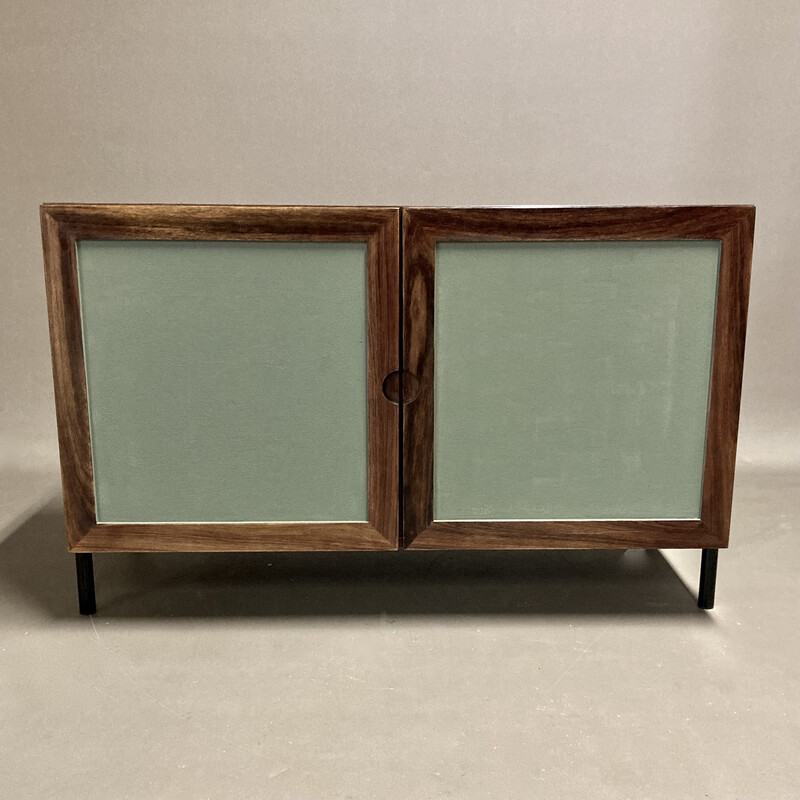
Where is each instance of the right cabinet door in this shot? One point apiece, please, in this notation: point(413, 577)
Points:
point(572, 376)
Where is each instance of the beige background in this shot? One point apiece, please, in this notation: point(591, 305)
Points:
point(409, 103)
point(558, 674)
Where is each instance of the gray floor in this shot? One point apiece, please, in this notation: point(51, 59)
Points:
point(517, 675)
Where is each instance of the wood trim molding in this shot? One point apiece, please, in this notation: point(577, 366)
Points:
point(69, 378)
point(230, 537)
point(424, 227)
point(64, 224)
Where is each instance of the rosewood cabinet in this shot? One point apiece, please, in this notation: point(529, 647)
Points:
point(331, 378)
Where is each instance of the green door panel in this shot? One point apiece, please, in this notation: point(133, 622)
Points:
point(226, 380)
point(572, 379)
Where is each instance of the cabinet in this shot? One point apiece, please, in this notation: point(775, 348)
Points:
point(333, 378)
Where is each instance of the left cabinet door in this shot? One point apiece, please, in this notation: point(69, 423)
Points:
point(218, 375)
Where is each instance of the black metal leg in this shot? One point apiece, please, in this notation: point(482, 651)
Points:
point(708, 579)
point(86, 600)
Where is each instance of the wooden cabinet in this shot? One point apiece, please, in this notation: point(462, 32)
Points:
point(232, 378)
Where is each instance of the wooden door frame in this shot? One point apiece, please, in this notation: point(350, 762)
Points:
point(65, 224)
point(424, 227)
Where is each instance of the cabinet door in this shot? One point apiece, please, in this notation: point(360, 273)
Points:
point(218, 375)
point(573, 375)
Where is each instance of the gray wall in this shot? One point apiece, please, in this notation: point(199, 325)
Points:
point(417, 102)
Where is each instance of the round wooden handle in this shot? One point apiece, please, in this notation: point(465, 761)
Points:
point(391, 387)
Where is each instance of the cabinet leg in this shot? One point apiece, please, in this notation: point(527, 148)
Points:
point(85, 568)
point(708, 578)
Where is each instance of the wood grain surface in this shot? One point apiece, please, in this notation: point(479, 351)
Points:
point(65, 224)
point(424, 227)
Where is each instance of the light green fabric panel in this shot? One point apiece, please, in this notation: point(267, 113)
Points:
point(571, 379)
point(227, 380)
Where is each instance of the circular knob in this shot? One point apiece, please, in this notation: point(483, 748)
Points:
point(391, 387)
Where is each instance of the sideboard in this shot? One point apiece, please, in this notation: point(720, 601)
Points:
point(233, 378)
